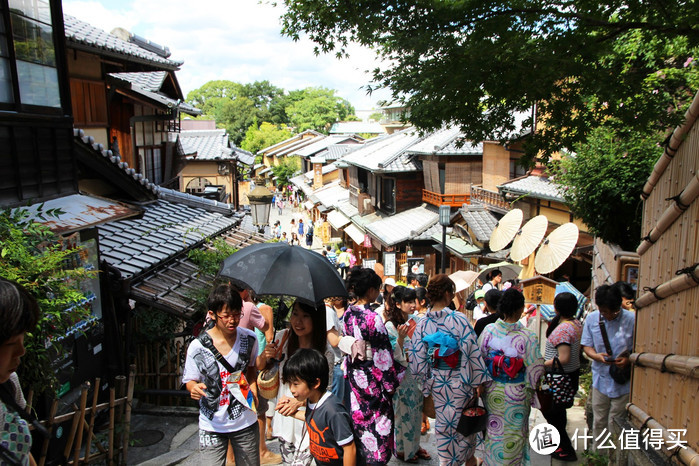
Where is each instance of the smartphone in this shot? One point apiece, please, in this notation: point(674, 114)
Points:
point(411, 327)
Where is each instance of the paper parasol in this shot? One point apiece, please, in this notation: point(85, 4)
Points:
point(556, 248)
point(528, 238)
point(505, 230)
point(463, 279)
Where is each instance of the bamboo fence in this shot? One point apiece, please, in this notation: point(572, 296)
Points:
point(666, 354)
point(83, 445)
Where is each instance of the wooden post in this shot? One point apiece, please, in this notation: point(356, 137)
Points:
point(127, 417)
point(110, 455)
point(49, 427)
point(81, 422)
point(88, 444)
point(120, 381)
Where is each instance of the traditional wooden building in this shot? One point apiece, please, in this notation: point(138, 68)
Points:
point(125, 95)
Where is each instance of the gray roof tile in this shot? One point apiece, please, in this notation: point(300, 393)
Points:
point(83, 33)
point(480, 221)
point(209, 144)
point(387, 154)
point(446, 141)
point(407, 225)
point(539, 187)
point(134, 246)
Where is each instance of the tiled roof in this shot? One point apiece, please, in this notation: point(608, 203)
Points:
point(320, 144)
point(150, 81)
point(283, 146)
point(84, 34)
point(539, 187)
point(120, 167)
point(331, 194)
point(480, 221)
point(347, 209)
point(446, 141)
point(207, 144)
point(387, 154)
point(356, 127)
point(133, 82)
point(191, 200)
point(407, 225)
point(244, 157)
point(166, 229)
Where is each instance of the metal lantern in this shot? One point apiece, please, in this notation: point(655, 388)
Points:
point(260, 205)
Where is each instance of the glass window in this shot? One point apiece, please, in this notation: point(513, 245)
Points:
point(35, 9)
point(6, 94)
point(33, 41)
point(38, 85)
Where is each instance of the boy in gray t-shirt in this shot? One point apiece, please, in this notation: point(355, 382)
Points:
point(328, 424)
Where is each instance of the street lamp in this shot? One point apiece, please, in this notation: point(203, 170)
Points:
point(260, 205)
point(444, 220)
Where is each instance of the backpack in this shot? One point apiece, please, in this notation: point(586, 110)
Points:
point(471, 301)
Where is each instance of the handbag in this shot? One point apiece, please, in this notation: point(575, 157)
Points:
point(620, 375)
point(559, 385)
point(473, 418)
point(268, 378)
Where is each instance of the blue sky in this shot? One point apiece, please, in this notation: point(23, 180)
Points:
point(238, 40)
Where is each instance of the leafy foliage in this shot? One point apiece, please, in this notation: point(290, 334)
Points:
point(318, 110)
point(210, 258)
point(286, 170)
point(478, 64)
point(264, 136)
point(35, 258)
point(602, 183)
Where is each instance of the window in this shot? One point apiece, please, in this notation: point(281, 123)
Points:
point(28, 73)
point(516, 170)
point(153, 159)
point(362, 180)
point(442, 177)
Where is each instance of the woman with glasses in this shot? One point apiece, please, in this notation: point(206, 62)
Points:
point(445, 358)
point(220, 373)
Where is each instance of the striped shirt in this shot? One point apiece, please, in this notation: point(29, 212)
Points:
point(566, 333)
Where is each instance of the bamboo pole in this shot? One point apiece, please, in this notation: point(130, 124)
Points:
point(676, 364)
point(669, 288)
point(686, 455)
point(71, 436)
point(120, 381)
point(110, 441)
point(127, 417)
point(49, 428)
point(81, 423)
point(675, 141)
point(672, 213)
point(91, 426)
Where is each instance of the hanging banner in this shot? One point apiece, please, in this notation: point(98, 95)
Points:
point(367, 241)
point(389, 264)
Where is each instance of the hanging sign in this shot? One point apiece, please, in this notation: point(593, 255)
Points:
point(367, 241)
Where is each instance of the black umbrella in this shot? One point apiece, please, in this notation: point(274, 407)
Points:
point(281, 270)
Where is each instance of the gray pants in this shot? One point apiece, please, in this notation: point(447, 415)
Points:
point(604, 410)
point(214, 445)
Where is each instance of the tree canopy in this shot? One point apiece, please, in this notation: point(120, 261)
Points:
point(264, 136)
point(236, 107)
point(478, 64)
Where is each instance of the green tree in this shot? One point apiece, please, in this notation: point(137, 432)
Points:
point(318, 108)
point(33, 256)
point(478, 63)
point(236, 116)
point(286, 169)
point(212, 95)
point(602, 183)
point(266, 135)
point(268, 99)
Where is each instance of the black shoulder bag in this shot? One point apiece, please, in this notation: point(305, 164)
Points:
point(621, 375)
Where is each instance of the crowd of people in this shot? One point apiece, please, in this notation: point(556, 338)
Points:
point(356, 372)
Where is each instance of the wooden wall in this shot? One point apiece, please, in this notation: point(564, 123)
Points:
point(670, 325)
point(408, 191)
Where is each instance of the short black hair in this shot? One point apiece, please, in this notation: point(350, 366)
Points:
point(625, 289)
point(422, 279)
point(360, 280)
point(309, 365)
point(511, 301)
point(224, 294)
point(566, 304)
point(492, 298)
point(609, 297)
point(19, 311)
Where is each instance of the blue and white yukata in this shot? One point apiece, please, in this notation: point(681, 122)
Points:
point(450, 387)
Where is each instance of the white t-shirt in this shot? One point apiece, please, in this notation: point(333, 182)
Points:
point(221, 412)
point(334, 323)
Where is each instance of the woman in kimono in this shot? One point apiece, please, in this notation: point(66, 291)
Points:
point(446, 361)
point(372, 373)
point(515, 365)
point(407, 401)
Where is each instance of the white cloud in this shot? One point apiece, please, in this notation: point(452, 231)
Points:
point(238, 40)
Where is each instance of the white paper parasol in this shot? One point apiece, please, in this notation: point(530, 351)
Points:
point(463, 279)
point(528, 238)
point(556, 248)
point(505, 230)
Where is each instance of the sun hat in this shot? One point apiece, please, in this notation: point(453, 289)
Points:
point(389, 282)
point(479, 294)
